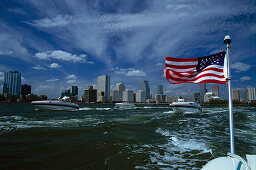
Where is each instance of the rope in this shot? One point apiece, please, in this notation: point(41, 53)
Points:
point(240, 159)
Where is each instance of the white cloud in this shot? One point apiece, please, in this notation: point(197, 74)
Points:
point(52, 79)
point(130, 72)
point(52, 22)
point(71, 81)
point(71, 76)
point(61, 55)
point(245, 78)
point(239, 66)
point(5, 52)
point(38, 67)
point(54, 65)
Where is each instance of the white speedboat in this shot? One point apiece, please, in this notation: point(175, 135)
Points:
point(124, 106)
point(185, 107)
point(63, 104)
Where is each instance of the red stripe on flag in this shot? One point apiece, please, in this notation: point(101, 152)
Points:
point(181, 59)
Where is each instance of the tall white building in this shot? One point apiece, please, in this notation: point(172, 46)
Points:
point(103, 91)
point(251, 94)
point(141, 96)
point(128, 95)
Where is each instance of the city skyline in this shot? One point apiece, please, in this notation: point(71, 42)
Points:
point(57, 44)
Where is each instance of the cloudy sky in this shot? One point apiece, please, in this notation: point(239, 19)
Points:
point(59, 43)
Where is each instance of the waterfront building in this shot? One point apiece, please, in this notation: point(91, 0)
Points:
point(251, 94)
point(236, 95)
point(245, 96)
point(115, 95)
point(215, 90)
point(141, 96)
point(143, 85)
point(103, 88)
point(128, 95)
point(202, 92)
point(12, 84)
point(210, 96)
point(120, 87)
point(90, 95)
point(74, 93)
point(25, 90)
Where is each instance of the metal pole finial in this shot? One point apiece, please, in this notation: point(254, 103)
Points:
point(227, 39)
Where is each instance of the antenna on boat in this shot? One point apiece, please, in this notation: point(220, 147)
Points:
point(227, 41)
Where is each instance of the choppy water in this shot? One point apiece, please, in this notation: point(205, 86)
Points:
point(98, 137)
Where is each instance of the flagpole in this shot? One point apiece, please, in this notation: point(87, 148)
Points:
point(227, 41)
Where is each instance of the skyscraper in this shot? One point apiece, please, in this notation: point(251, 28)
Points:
point(143, 85)
point(120, 87)
point(12, 83)
point(90, 95)
point(128, 96)
point(202, 92)
point(236, 95)
point(104, 86)
point(74, 90)
point(159, 89)
point(251, 94)
point(141, 96)
point(215, 90)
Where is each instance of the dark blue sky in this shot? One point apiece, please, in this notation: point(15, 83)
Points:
point(56, 44)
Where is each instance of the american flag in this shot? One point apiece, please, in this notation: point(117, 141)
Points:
point(209, 69)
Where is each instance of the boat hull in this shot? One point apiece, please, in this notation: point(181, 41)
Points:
point(186, 107)
point(55, 105)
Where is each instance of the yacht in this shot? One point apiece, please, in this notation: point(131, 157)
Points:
point(185, 107)
point(62, 104)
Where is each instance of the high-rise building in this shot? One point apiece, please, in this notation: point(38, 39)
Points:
point(104, 86)
point(245, 96)
point(141, 96)
point(115, 94)
point(215, 90)
point(120, 87)
point(251, 94)
point(74, 90)
point(128, 96)
point(143, 85)
point(236, 95)
point(202, 92)
point(159, 89)
point(12, 83)
point(25, 90)
point(90, 95)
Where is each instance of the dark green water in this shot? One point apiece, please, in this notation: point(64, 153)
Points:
point(98, 137)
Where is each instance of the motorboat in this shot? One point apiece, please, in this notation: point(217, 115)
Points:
point(124, 105)
point(63, 104)
point(185, 107)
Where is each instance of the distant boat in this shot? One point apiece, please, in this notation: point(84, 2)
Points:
point(62, 104)
point(185, 107)
point(124, 106)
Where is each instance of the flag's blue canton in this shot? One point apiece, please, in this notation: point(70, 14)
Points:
point(216, 59)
